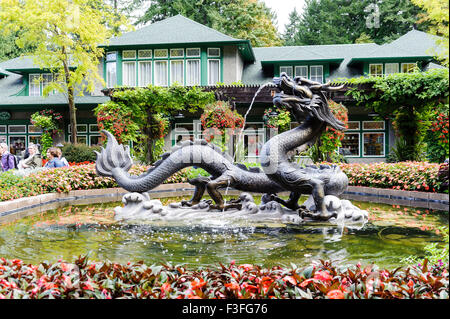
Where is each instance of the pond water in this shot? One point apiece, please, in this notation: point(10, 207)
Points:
point(392, 233)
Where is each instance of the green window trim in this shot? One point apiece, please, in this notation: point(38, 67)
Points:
point(202, 56)
point(367, 65)
point(360, 131)
point(292, 67)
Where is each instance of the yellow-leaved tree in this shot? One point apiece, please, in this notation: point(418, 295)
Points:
point(66, 35)
point(438, 16)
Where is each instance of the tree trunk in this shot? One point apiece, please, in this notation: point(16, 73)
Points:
point(71, 100)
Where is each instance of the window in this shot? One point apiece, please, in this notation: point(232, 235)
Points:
point(17, 144)
point(373, 125)
point(350, 144)
point(193, 52)
point(373, 144)
point(81, 128)
point(46, 80)
point(34, 129)
point(353, 125)
point(111, 56)
point(176, 53)
point(129, 73)
point(186, 132)
point(253, 140)
point(301, 71)
point(316, 73)
point(408, 67)
point(93, 128)
point(111, 76)
point(17, 129)
point(192, 72)
point(160, 73)
point(376, 69)
point(145, 73)
point(390, 68)
point(129, 54)
point(94, 140)
point(286, 69)
point(2, 129)
point(177, 72)
point(34, 85)
point(144, 54)
point(213, 72)
point(213, 52)
point(34, 139)
point(161, 53)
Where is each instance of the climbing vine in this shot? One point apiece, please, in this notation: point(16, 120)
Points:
point(406, 99)
point(281, 121)
point(327, 147)
point(51, 123)
point(142, 115)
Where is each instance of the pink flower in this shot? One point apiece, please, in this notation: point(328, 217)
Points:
point(323, 276)
point(335, 294)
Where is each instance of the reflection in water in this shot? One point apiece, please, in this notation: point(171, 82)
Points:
point(67, 234)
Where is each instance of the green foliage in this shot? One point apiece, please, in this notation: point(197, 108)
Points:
point(9, 49)
point(405, 98)
point(435, 253)
point(281, 121)
point(65, 36)
point(141, 115)
point(241, 19)
point(343, 21)
point(79, 153)
point(437, 137)
point(220, 122)
point(327, 146)
point(50, 122)
point(108, 280)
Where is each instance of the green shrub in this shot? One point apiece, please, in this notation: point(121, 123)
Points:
point(79, 153)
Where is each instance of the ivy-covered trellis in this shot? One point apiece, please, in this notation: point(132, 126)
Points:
point(142, 115)
point(409, 101)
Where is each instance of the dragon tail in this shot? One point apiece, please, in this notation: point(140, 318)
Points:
point(115, 161)
point(113, 156)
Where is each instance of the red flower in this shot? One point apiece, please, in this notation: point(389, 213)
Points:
point(290, 279)
point(197, 284)
point(323, 276)
point(232, 286)
point(246, 267)
point(335, 294)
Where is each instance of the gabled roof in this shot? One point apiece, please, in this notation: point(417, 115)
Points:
point(176, 30)
point(414, 44)
point(336, 52)
point(339, 54)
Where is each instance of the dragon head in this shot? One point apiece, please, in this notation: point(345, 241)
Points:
point(305, 98)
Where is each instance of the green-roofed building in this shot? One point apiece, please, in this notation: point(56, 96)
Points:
point(180, 50)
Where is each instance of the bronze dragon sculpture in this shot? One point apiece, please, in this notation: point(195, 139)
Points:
point(307, 103)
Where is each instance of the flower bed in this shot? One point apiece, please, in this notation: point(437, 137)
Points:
point(106, 280)
point(413, 176)
point(419, 176)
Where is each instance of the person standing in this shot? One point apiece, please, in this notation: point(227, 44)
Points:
point(53, 158)
point(33, 160)
point(8, 160)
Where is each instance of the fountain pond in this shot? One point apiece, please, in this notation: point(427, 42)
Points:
point(392, 234)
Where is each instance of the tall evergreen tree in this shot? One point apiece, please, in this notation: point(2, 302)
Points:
point(9, 48)
point(291, 28)
point(344, 21)
point(243, 19)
